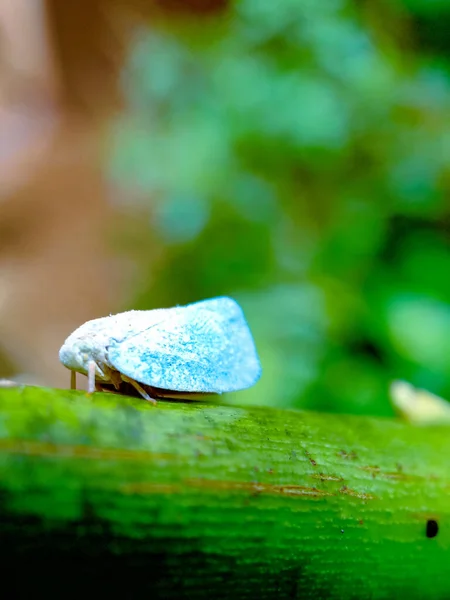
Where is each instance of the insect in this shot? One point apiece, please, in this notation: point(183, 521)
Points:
point(205, 347)
point(418, 406)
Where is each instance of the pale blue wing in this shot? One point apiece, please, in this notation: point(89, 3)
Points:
point(202, 347)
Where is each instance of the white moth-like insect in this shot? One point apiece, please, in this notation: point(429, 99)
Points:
point(201, 348)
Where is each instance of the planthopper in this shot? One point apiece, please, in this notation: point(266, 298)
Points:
point(202, 348)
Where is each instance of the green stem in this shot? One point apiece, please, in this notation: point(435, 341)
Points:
point(200, 500)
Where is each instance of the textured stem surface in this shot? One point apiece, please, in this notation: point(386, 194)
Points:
point(199, 500)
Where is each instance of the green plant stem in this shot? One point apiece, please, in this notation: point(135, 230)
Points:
point(203, 500)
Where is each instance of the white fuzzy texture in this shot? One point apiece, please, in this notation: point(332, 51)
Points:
point(202, 347)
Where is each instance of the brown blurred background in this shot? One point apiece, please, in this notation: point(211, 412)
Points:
point(59, 63)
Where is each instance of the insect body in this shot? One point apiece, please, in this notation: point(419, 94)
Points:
point(418, 406)
point(205, 347)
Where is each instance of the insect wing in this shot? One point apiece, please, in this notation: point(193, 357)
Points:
point(202, 347)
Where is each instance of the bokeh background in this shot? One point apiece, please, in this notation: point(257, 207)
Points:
point(291, 154)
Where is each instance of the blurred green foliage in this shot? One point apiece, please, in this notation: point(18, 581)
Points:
point(294, 155)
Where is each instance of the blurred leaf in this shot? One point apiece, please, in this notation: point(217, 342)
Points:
point(419, 329)
point(295, 155)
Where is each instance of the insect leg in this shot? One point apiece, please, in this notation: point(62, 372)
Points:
point(137, 387)
point(73, 380)
point(91, 377)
